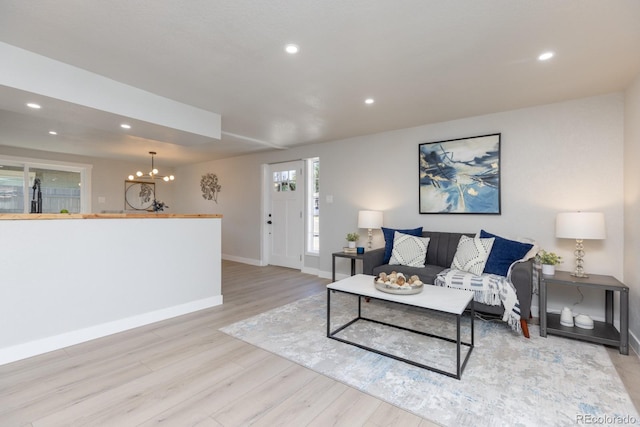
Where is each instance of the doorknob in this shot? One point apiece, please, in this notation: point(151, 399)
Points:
point(269, 222)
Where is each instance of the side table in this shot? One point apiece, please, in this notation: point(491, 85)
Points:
point(603, 332)
point(352, 257)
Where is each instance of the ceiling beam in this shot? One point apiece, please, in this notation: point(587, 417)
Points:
point(38, 74)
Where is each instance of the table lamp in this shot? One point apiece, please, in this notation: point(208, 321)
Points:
point(369, 220)
point(580, 226)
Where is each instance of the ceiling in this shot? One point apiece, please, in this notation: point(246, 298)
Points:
point(423, 61)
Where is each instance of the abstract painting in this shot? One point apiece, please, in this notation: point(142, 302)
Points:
point(460, 176)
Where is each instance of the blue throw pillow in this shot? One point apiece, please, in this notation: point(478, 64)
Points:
point(388, 239)
point(504, 252)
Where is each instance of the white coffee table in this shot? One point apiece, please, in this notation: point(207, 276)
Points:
point(436, 298)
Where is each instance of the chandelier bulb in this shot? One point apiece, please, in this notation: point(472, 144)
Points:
point(153, 174)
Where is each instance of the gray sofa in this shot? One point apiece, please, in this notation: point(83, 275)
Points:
point(440, 253)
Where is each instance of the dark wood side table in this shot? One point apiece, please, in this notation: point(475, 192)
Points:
point(352, 257)
point(603, 332)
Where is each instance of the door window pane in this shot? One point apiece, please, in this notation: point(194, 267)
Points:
point(284, 181)
point(313, 206)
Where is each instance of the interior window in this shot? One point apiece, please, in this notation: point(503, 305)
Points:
point(30, 187)
point(11, 189)
point(54, 191)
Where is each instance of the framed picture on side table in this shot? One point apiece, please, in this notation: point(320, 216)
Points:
point(460, 176)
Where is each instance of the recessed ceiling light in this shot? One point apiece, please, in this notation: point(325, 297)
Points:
point(545, 56)
point(34, 105)
point(292, 48)
point(125, 126)
point(369, 101)
point(53, 132)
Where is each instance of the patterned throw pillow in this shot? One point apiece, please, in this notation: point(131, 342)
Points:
point(471, 254)
point(408, 250)
point(388, 239)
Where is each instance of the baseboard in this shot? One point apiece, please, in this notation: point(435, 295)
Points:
point(312, 271)
point(324, 274)
point(328, 275)
point(634, 344)
point(250, 261)
point(56, 342)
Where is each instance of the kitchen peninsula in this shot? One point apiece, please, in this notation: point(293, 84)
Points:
point(70, 278)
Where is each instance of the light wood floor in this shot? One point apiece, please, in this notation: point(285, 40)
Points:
point(184, 372)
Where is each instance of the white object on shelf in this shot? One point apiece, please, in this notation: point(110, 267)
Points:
point(583, 321)
point(566, 317)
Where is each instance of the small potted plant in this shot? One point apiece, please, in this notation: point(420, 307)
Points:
point(549, 260)
point(158, 205)
point(352, 238)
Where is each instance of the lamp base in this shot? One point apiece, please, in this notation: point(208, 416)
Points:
point(579, 253)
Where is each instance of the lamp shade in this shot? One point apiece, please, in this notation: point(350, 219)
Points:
point(580, 225)
point(369, 219)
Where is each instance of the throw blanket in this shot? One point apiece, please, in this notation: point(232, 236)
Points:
point(489, 289)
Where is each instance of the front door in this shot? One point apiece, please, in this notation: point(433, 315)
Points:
point(285, 223)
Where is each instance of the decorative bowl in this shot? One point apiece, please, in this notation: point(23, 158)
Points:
point(398, 290)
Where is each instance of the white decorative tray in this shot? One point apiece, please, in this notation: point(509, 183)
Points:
point(399, 290)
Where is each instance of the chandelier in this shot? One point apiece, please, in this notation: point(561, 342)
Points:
point(153, 174)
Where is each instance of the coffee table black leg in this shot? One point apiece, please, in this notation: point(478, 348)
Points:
point(459, 374)
point(454, 374)
point(473, 316)
point(328, 312)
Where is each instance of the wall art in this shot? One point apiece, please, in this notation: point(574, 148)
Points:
point(139, 195)
point(210, 187)
point(460, 176)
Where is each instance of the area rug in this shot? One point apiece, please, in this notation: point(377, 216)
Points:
point(509, 380)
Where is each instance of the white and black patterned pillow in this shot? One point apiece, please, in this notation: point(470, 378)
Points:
point(408, 250)
point(471, 254)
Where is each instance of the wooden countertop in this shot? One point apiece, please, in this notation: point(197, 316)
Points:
point(104, 216)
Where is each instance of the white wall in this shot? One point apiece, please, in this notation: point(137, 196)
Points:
point(66, 281)
point(632, 205)
point(558, 157)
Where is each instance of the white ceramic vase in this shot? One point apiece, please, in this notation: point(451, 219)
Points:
point(548, 269)
point(352, 244)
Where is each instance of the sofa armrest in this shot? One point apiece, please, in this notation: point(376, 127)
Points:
point(522, 279)
point(372, 259)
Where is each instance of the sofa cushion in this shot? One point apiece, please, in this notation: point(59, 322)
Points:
point(388, 239)
point(504, 252)
point(472, 254)
point(442, 247)
point(408, 250)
